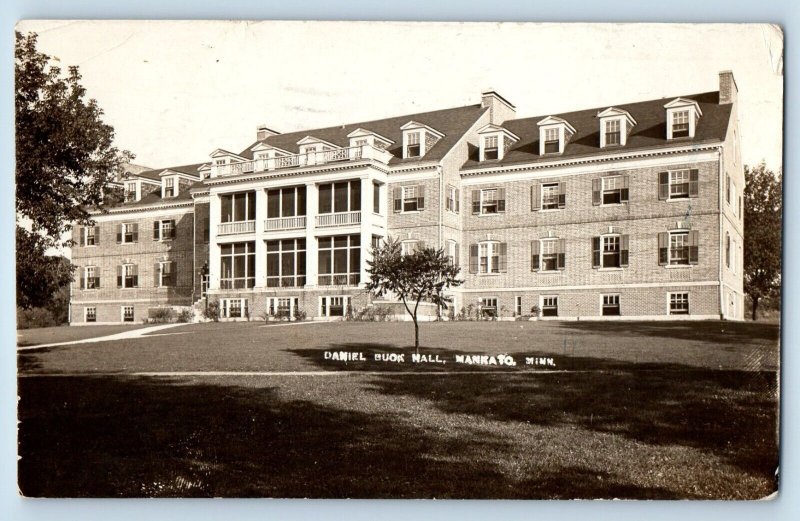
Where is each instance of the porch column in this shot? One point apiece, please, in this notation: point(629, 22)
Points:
point(214, 218)
point(312, 206)
point(366, 226)
point(261, 245)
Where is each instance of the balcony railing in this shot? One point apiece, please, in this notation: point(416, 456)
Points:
point(236, 227)
point(285, 223)
point(321, 157)
point(338, 219)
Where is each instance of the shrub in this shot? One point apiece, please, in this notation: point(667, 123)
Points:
point(185, 315)
point(35, 317)
point(161, 315)
point(212, 311)
point(535, 311)
point(299, 314)
point(282, 314)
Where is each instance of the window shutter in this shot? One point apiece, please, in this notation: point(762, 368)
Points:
point(421, 197)
point(398, 199)
point(694, 246)
point(447, 202)
point(97, 274)
point(624, 193)
point(476, 201)
point(562, 254)
point(473, 258)
point(535, 256)
point(156, 273)
point(457, 256)
point(156, 230)
point(82, 237)
point(562, 195)
point(206, 229)
point(663, 186)
point(173, 229)
point(596, 187)
point(595, 252)
point(119, 234)
point(501, 199)
point(458, 200)
point(727, 188)
point(663, 252)
point(173, 273)
point(119, 276)
point(536, 200)
point(623, 253)
point(135, 275)
point(135, 232)
point(694, 182)
point(502, 257)
point(83, 280)
point(96, 235)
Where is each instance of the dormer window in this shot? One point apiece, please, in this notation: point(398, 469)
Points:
point(413, 147)
point(418, 139)
point(612, 132)
point(494, 142)
point(131, 192)
point(552, 143)
point(169, 187)
point(682, 116)
point(615, 126)
point(554, 134)
point(361, 137)
point(490, 150)
point(680, 124)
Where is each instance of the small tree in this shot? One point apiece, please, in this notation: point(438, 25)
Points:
point(763, 208)
point(413, 278)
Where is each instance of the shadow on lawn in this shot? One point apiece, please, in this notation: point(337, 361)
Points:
point(123, 436)
point(716, 331)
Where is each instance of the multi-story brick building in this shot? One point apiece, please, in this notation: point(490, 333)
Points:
point(630, 211)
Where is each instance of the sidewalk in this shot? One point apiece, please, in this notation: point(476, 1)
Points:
point(134, 333)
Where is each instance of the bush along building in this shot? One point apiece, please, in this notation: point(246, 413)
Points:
point(632, 211)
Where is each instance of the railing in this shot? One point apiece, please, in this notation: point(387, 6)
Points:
point(338, 219)
point(285, 223)
point(351, 279)
point(236, 227)
point(321, 157)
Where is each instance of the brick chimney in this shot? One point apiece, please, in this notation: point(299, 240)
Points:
point(262, 132)
point(727, 88)
point(500, 109)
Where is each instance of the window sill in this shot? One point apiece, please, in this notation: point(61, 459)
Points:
point(678, 266)
point(678, 199)
point(550, 210)
point(610, 269)
point(488, 214)
point(488, 274)
point(90, 246)
point(550, 272)
point(611, 205)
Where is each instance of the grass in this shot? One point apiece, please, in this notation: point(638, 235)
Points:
point(51, 335)
point(656, 410)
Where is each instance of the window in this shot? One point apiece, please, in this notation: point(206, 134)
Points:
point(238, 265)
point(340, 197)
point(165, 274)
point(453, 201)
point(409, 198)
point(610, 305)
point(130, 191)
point(339, 260)
point(376, 198)
point(452, 252)
point(128, 276)
point(728, 189)
point(680, 123)
point(610, 251)
point(678, 303)
point(169, 187)
point(286, 263)
point(549, 306)
point(234, 308)
point(488, 306)
point(127, 313)
point(488, 201)
point(548, 254)
point(612, 190)
point(238, 207)
point(90, 235)
point(518, 306)
point(488, 257)
point(286, 202)
point(410, 202)
point(282, 307)
point(163, 230)
point(550, 196)
point(727, 250)
point(612, 132)
point(90, 314)
point(678, 248)
point(91, 280)
point(490, 150)
point(127, 233)
point(334, 306)
point(678, 184)
point(551, 141)
point(412, 145)
point(410, 246)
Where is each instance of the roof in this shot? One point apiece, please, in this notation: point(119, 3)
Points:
point(650, 130)
point(453, 123)
point(154, 198)
point(185, 169)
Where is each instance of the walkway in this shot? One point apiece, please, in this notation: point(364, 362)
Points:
point(133, 333)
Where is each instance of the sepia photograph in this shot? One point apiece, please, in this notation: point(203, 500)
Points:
point(398, 260)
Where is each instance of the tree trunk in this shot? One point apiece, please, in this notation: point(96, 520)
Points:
point(755, 308)
point(416, 335)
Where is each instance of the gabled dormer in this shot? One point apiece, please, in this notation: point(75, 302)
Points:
point(361, 136)
point(220, 158)
point(174, 182)
point(418, 139)
point(310, 144)
point(204, 171)
point(683, 116)
point(132, 190)
point(494, 142)
point(554, 134)
point(615, 127)
point(265, 151)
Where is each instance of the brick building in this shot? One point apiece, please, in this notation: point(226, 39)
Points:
point(630, 211)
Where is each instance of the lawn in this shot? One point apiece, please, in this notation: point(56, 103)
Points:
point(628, 410)
point(50, 335)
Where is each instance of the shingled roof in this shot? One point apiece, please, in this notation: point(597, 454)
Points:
point(453, 123)
point(186, 169)
point(650, 131)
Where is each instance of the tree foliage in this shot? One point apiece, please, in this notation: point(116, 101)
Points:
point(422, 276)
point(64, 159)
point(763, 209)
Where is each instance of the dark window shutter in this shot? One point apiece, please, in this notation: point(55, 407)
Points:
point(623, 254)
point(624, 193)
point(534, 255)
point(694, 182)
point(663, 251)
point(206, 229)
point(457, 257)
point(156, 273)
point(83, 282)
point(82, 236)
point(596, 187)
point(663, 186)
point(458, 200)
point(156, 230)
point(119, 233)
point(562, 254)
point(135, 275)
point(562, 195)
point(694, 246)
point(727, 188)
point(119, 276)
point(398, 199)
point(501, 199)
point(595, 252)
point(173, 229)
point(473, 258)
point(420, 197)
point(97, 274)
point(536, 200)
point(476, 201)
point(96, 235)
point(502, 257)
point(135, 232)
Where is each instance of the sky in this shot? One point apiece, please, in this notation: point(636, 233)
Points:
point(176, 91)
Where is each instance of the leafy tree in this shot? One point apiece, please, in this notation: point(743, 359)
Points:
point(64, 158)
point(763, 208)
point(413, 278)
